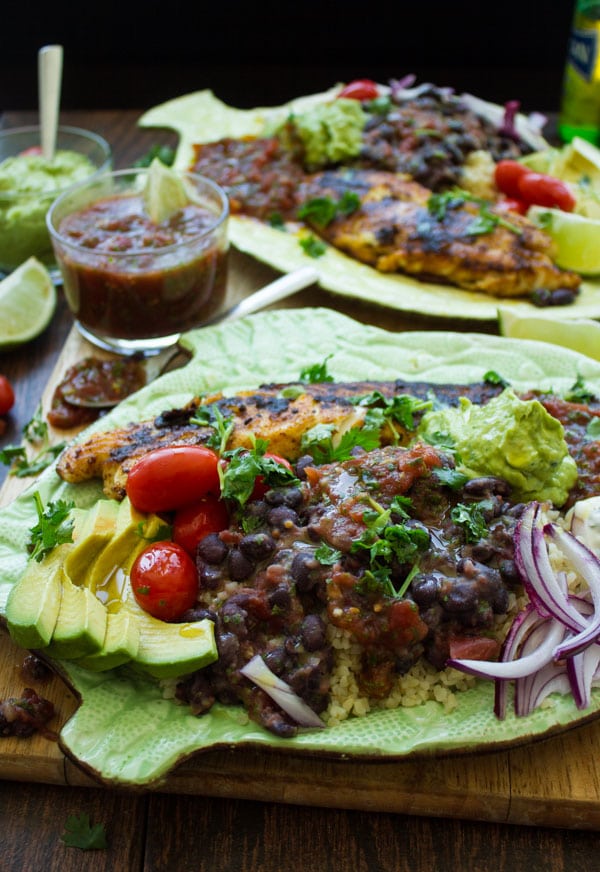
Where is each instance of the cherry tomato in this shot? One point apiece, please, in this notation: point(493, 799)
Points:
point(473, 648)
point(510, 204)
point(32, 151)
point(169, 478)
point(7, 395)
point(164, 580)
point(260, 485)
point(538, 189)
point(507, 175)
point(360, 89)
point(192, 523)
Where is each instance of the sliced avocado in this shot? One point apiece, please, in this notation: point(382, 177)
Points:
point(34, 602)
point(121, 643)
point(171, 650)
point(81, 623)
point(93, 531)
point(133, 531)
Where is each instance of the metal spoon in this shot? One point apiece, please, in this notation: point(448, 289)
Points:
point(175, 356)
point(50, 61)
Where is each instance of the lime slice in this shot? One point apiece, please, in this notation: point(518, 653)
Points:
point(27, 303)
point(577, 238)
point(580, 334)
point(164, 193)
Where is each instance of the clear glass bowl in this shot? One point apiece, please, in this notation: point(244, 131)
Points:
point(133, 285)
point(28, 187)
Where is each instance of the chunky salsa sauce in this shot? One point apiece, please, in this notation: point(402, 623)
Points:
point(127, 277)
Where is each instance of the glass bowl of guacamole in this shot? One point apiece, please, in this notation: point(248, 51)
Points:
point(29, 184)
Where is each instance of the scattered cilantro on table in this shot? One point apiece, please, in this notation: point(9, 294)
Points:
point(35, 433)
point(80, 833)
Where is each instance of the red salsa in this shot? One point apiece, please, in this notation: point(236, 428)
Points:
point(126, 277)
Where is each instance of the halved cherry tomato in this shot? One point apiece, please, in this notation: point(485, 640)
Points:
point(473, 648)
point(510, 204)
point(538, 189)
point(519, 183)
point(507, 175)
point(192, 523)
point(360, 89)
point(164, 580)
point(169, 478)
point(260, 485)
point(7, 395)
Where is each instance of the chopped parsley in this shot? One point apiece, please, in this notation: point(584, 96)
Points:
point(54, 527)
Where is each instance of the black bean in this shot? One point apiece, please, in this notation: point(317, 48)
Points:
point(197, 614)
point(212, 549)
point(289, 496)
point(257, 546)
point(424, 590)
point(282, 516)
point(209, 577)
point(302, 463)
point(302, 567)
point(276, 659)
point(488, 484)
point(239, 566)
point(280, 597)
point(312, 632)
point(228, 646)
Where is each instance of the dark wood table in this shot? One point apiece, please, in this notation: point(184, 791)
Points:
point(156, 831)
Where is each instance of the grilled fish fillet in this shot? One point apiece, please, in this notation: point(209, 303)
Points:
point(265, 413)
point(394, 230)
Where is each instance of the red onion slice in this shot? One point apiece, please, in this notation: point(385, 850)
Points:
point(257, 671)
point(587, 565)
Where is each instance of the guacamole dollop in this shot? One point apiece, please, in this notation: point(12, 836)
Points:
point(329, 132)
point(28, 185)
point(514, 439)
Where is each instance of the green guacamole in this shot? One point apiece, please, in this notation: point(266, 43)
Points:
point(514, 439)
point(28, 185)
point(330, 132)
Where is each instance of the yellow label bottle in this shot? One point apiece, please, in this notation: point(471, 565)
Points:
point(580, 102)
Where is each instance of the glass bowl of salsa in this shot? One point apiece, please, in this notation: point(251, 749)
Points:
point(29, 183)
point(134, 283)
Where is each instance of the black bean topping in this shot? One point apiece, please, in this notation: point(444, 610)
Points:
point(212, 549)
point(240, 567)
point(257, 546)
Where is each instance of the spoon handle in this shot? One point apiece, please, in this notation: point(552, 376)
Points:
point(50, 61)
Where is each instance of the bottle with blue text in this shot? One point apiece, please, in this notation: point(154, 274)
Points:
point(580, 102)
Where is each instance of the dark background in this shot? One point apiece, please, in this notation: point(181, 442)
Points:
point(131, 54)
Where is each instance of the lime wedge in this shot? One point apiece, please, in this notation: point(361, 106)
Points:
point(580, 334)
point(27, 303)
point(577, 238)
point(164, 193)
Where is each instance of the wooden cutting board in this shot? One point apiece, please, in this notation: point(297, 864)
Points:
point(554, 782)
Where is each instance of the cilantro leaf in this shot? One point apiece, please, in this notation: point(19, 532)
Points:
point(491, 377)
point(211, 416)
point(319, 442)
point(35, 432)
point(578, 392)
point(54, 527)
point(326, 555)
point(164, 153)
point(79, 833)
point(312, 246)
point(452, 478)
point(472, 519)
point(323, 210)
point(243, 468)
point(316, 373)
point(592, 431)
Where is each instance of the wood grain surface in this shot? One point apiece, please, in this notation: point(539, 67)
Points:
point(253, 812)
